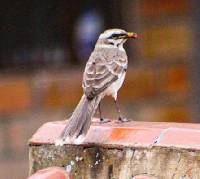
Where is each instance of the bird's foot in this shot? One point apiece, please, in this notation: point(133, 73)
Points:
point(103, 120)
point(120, 120)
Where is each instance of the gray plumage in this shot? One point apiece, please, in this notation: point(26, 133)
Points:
point(80, 120)
point(104, 74)
point(103, 68)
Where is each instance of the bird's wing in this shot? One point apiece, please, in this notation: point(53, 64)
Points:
point(100, 73)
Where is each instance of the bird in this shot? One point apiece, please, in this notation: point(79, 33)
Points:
point(104, 75)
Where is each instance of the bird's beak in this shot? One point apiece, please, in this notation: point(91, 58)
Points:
point(132, 35)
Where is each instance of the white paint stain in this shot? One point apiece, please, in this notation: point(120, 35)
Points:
point(77, 158)
point(97, 155)
point(68, 168)
point(72, 162)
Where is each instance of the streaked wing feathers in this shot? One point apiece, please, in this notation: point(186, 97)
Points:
point(99, 74)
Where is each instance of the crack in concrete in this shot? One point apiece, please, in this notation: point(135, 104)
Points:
point(176, 166)
point(164, 131)
point(145, 173)
point(160, 137)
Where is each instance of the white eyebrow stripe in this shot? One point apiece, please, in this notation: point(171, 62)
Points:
point(109, 46)
point(108, 33)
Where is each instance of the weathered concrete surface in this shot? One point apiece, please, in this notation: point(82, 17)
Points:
point(124, 158)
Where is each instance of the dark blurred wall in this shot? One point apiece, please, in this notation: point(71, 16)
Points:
point(30, 27)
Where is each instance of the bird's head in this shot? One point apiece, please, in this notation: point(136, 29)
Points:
point(115, 37)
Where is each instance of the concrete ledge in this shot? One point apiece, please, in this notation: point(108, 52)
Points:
point(128, 150)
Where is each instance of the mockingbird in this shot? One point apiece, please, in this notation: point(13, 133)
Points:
point(104, 74)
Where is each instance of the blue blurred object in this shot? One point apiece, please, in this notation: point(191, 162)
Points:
point(88, 26)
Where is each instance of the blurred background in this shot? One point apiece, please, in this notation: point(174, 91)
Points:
point(44, 46)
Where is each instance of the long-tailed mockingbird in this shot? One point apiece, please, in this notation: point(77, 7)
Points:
point(104, 74)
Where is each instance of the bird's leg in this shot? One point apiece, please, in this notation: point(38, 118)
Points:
point(102, 120)
point(120, 118)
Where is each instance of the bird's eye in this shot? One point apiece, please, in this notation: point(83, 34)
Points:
point(114, 36)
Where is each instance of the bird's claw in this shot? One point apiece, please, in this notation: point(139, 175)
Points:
point(120, 119)
point(103, 120)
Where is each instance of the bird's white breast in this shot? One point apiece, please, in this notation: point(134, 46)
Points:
point(115, 86)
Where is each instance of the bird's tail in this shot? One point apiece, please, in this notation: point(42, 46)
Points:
point(79, 122)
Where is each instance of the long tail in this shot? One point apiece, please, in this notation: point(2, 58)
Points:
point(79, 122)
